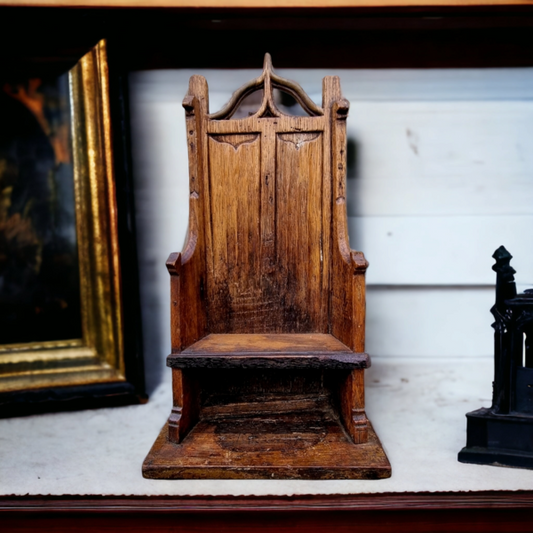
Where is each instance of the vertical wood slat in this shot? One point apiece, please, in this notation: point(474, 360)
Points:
point(327, 213)
point(233, 284)
point(186, 405)
point(359, 264)
point(268, 201)
point(348, 269)
point(191, 304)
point(353, 406)
point(174, 269)
point(342, 311)
point(299, 256)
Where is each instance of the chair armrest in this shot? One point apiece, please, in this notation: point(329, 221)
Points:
point(358, 261)
point(174, 264)
point(174, 268)
point(360, 264)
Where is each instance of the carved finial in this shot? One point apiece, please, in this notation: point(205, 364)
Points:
point(501, 252)
point(505, 284)
point(267, 63)
point(502, 265)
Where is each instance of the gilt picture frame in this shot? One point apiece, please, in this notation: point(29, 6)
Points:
point(86, 365)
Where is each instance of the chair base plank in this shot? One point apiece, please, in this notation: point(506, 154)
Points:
point(292, 446)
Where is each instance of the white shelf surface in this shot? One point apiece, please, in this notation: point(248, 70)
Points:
point(417, 406)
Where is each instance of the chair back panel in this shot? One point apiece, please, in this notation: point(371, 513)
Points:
point(266, 227)
point(267, 248)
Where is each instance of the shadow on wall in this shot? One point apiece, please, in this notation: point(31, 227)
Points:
point(160, 173)
point(353, 175)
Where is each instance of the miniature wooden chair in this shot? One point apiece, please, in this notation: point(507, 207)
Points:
point(268, 300)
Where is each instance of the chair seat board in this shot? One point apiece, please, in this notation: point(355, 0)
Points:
point(297, 350)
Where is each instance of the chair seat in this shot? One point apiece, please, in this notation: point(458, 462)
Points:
point(269, 350)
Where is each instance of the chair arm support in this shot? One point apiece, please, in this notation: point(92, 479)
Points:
point(174, 268)
point(174, 264)
point(359, 264)
point(358, 261)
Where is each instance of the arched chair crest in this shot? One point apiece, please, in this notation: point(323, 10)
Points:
point(268, 81)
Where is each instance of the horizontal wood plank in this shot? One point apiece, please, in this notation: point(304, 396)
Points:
point(309, 445)
point(287, 520)
point(282, 344)
point(283, 351)
point(511, 501)
point(301, 361)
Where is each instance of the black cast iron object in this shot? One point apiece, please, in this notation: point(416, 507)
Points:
point(503, 434)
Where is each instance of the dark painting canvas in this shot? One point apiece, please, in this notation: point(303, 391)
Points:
point(39, 275)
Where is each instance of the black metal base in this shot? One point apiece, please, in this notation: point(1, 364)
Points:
point(493, 457)
point(498, 440)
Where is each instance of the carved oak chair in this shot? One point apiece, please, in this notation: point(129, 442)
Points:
point(268, 300)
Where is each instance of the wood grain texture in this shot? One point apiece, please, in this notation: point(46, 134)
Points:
point(284, 344)
point(189, 313)
point(266, 271)
point(214, 514)
point(348, 289)
point(234, 299)
point(352, 398)
point(306, 446)
point(300, 231)
point(186, 405)
point(465, 504)
point(334, 361)
point(283, 351)
point(267, 299)
point(273, 209)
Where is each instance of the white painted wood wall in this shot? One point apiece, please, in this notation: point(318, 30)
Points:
point(442, 176)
